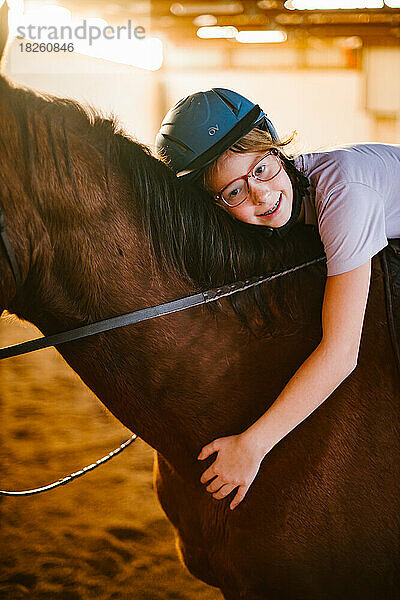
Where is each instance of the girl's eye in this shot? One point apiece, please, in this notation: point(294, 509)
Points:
point(235, 191)
point(259, 170)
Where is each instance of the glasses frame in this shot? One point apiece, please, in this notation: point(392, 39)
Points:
point(250, 173)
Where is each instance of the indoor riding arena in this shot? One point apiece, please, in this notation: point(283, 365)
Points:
point(167, 329)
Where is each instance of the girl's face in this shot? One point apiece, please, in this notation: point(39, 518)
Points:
point(263, 195)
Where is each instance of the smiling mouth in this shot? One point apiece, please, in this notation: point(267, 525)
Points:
point(273, 209)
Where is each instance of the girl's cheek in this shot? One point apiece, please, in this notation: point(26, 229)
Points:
point(238, 214)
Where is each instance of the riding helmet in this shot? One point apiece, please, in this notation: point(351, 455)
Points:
point(200, 127)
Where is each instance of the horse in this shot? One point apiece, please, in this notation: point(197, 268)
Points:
point(101, 227)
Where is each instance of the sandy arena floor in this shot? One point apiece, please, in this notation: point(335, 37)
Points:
point(103, 536)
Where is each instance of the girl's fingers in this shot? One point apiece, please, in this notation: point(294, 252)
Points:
point(224, 491)
point(208, 474)
point(242, 491)
point(207, 450)
point(215, 485)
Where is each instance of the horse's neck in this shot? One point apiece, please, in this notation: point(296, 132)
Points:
point(83, 260)
point(81, 276)
point(177, 381)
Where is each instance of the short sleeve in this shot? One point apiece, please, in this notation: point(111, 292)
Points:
point(351, 221)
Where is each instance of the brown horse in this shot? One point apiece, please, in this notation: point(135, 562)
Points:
point(100, 227)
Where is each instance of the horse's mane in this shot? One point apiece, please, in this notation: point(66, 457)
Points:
point(188, 233)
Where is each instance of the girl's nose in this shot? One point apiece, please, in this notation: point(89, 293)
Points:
point(258, 192)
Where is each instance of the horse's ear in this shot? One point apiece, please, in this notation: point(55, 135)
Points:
point(3, 26)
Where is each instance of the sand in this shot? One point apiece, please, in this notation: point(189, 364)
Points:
point(103, 536)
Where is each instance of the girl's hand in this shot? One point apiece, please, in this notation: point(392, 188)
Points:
point(237, 464)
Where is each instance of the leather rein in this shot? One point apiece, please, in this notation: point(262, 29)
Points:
point(136, 316)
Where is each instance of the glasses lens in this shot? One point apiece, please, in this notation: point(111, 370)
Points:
point(235, 192)
point(267, 168)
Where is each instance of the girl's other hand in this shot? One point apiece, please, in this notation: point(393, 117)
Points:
point(237, 463)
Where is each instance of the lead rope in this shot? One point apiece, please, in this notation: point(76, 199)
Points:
point(73, 476)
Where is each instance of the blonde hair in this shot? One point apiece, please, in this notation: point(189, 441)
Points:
point(256, 140)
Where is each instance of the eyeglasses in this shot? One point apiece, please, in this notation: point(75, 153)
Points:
point(237, 191)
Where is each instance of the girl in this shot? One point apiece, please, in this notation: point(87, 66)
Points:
point(228, 144)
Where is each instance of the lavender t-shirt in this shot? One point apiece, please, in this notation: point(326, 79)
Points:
point(354, 199)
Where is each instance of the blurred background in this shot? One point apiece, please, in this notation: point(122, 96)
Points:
point(329, 69)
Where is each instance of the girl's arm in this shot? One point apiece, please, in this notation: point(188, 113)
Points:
point(334, 358)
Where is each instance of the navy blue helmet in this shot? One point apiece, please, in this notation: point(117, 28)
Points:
point(200, 127)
